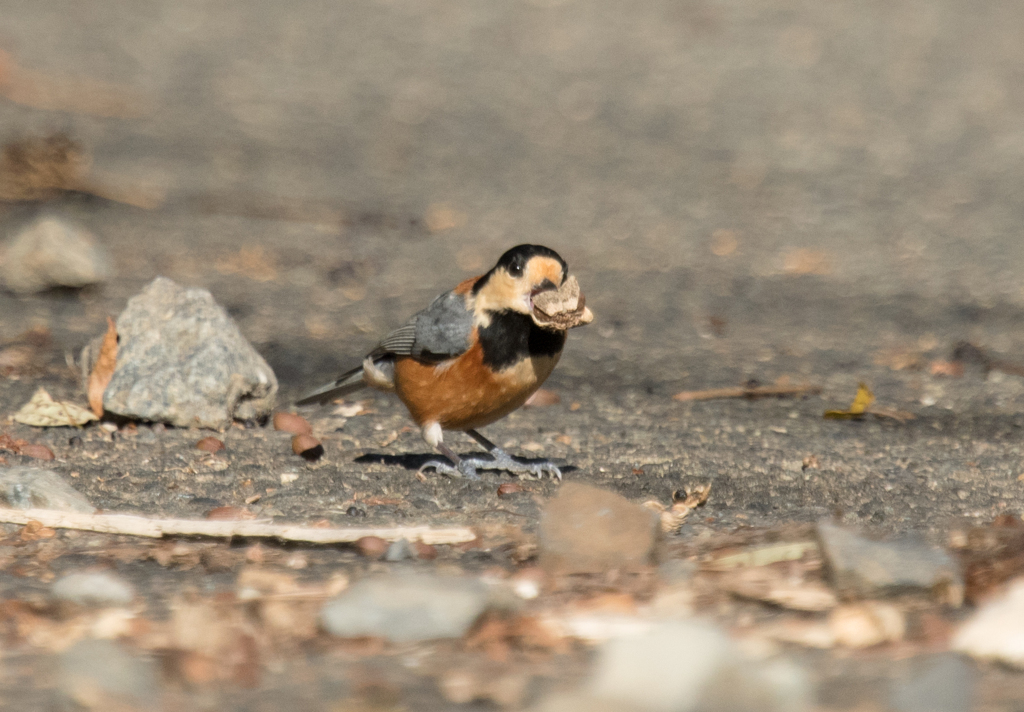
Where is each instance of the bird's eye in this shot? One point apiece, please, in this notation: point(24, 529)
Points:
point(515, 269)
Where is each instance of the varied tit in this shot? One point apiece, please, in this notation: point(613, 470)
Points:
point(470, 358)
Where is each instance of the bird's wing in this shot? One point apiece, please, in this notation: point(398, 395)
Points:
point(439, 332)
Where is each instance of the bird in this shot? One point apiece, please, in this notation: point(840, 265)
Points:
point(473, 356)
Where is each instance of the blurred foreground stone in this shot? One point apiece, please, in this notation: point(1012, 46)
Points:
point(996, 630)
point(859, 567)
point(36, 488)
point(406, 607)
point(182, 360)
point(939, 683)
point(49, 253)
point(588, 530)
point(93, 588)
point(102, 675)
point(682, 666)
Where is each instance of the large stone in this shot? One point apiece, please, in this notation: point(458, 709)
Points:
point(36, 488)
point(182, 360)
point(406, 607)
point(51, 252)
point(588, 530)
point(859, 567)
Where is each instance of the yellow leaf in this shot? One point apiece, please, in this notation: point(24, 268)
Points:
point(43, 411)
point(861, 401)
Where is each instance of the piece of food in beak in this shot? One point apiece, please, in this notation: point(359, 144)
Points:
point(562, 309)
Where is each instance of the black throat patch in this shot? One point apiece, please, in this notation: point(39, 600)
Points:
point(512, 336)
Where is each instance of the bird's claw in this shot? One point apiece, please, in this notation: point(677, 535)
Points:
point(463, 469)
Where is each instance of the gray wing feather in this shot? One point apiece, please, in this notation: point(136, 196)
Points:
point(400, 341)
point(438, 332)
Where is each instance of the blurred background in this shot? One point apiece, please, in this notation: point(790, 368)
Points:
point(743, 188)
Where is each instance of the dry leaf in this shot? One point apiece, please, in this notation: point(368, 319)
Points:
point(39, 452)
point(44, 412)
point(901, 416)
point(762, 555)
point(780, 587)
point(861, 401)
point(672, 518)
point(103, 369)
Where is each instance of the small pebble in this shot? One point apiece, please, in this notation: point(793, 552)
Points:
point(508, 488)
point(307, 447)
point(292, 423)
point(210, 444)
point(423, 551)
point(372, 547)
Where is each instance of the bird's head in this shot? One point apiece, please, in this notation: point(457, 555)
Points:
point(521, 273)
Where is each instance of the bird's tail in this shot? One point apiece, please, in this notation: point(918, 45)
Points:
point(378, 370)
point(346, 383)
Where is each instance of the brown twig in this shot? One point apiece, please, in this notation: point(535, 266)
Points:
point(155, 528)
point(747, 392)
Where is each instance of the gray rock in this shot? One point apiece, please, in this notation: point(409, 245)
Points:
point(51, 252)
point(859, 567)
point(182, 360)
point(941, 683)
point(406, 607)
point(100, 674)
point(996, 630)
point(588, 530)
point(36, 488)
point(685, 665)
point(93, 588)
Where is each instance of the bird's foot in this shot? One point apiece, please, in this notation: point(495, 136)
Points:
point(499, 460)
point(466, 468)
point(503, 461)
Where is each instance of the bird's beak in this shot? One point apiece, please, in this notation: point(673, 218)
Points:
point(546, 286)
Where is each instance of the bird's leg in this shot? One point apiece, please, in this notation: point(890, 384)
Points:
point(458, 467)
point(503, 461)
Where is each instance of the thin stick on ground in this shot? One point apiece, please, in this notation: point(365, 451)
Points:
point(747, 392)
point(132, 525)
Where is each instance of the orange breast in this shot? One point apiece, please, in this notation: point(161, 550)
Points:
point(462, 394)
